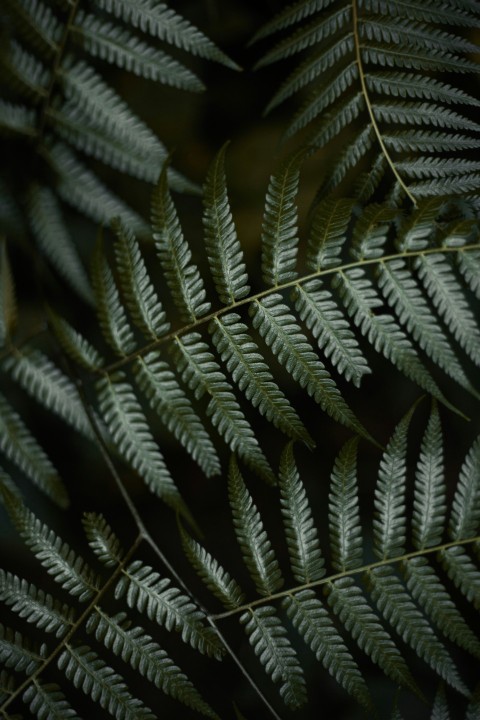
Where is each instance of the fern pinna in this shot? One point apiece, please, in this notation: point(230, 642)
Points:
point(378, 68)
point(58, 110)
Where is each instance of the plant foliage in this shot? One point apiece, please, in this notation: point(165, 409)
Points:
point(275, 517)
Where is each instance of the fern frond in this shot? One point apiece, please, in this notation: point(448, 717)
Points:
point(203, 375)
point(111, 313)
point(398, 609)
point(161, 21)
point(182, 276)
point(47, 702)
point(344, 512)
point(160, 385)
point(144, 589)
point(218, 581)
point(119, 47)
point(38, 24)
point(465, 510)
point(291, 348)
point(224, 252)
point(463, 573)
point(75, 345)
point(435, 601)
point(280, 224)
point(389, 524)
point(429, 505)
point(320, 313)
point(53, 238)
point(102, 539)
point(468, 264)
point(256, 548)
point(251, 373)
point(24, 72)
point(89, 673)
point(447, 296)
point(314, 624)
point(16, 120)
point(267, 636)
point(45, 382)
point(306, 559)
point(33, 604)
point(18, 653)
point(348, 603)
point(20, 446)
point(123, 415)
point(428, 140)
point(138, 649)
point(67, 568)
point(138, 291)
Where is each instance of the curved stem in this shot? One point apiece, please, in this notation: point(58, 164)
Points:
point(366, 95)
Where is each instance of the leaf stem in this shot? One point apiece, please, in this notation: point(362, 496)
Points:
point(348, 573)
point(366, 95)
point(118, 364)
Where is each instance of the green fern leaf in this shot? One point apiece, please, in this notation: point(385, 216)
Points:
point(360, 299)
point(203, 375)
point(427, 590)
point(320, 313)
point(47, 702)
point(75, 345)
point(20, 446)
point(463, 573)
point(54, 240)
point(428, 140)
point(447, 296)
point(291, 348)
point(314, 624)
point(468, 264)
point(256, 548)
point(38, 23)
point(18, 653)
point(429, 504)
point(224, 253)
point(163, 22)
point(24, 72)
point(16, 120)
point(344, 512)
point(138, 291)
point(465, 512)
point(43, 380)
point(182, 276)
point(167, 398)
point(303, 546)
point(403, 294)
point(218, 581)
point(89, 673)
point(119, 47)
point(137, 648)
point(423, 114)
point(145, 590)
point(328, 233)
point(427, 11)
point(267, 636)
point(133, 439)
point(440, 709)
point(389, 524)
point(348, 603)
point(111, 313)
point(36, 606)
point(398, 609)
point(248, 369)
point(290, 16)
point(67, 568)
point(102, 540)
point(412, 85)
point(81, 189)
point(280, 224)
point(403, 32)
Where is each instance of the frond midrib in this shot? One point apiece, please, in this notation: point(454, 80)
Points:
point(63, 642)
point(347, 573)
point(191, 327)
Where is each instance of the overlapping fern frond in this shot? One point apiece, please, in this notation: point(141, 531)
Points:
point(378, 69)
point(59, 109)
point(398, 593)
point(373, 276)
point(67, 626)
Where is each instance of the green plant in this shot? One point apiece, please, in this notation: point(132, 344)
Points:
point(249, 427)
